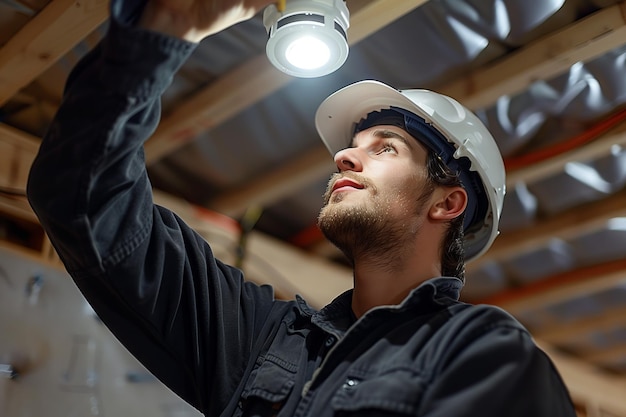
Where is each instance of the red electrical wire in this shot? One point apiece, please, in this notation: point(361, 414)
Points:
point(587, 136)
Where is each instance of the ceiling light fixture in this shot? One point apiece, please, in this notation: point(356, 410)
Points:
point(307, 38)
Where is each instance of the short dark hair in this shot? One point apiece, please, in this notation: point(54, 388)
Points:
point(452, 250)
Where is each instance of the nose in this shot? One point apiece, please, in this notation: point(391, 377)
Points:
point(348, 160)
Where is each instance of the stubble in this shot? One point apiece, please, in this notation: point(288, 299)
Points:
point(370, 228)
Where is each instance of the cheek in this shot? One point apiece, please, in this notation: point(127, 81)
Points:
point(407, 193)
point(408, 184)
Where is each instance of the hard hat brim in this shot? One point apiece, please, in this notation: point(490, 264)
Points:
point(337, 115)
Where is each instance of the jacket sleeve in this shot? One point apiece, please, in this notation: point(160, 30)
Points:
point(492, 368)
point(154, 282)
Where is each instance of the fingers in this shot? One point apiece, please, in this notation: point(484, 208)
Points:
point(193, 20)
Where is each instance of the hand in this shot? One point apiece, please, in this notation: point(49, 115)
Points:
point(193, 20)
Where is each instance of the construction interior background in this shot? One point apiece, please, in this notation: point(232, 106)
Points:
point(237, 156)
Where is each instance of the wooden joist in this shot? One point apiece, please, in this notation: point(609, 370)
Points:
point(44, 39)
point(581, 41)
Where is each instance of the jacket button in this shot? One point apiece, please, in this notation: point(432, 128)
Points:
point(350, 383)
point(330, 341)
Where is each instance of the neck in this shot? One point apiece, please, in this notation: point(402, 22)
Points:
point(381, 279)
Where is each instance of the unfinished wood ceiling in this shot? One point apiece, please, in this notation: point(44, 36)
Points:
point(237, 137)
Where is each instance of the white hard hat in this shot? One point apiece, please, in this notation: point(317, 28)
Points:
point(455, 127)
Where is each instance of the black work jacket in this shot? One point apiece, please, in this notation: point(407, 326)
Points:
point(224, 344)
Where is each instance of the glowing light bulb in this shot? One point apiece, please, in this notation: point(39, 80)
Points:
point(307, 53)
point(307, 38)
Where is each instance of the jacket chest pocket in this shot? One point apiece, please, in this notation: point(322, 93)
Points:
point(274, 376)
point(391, 393)
point(268, 388)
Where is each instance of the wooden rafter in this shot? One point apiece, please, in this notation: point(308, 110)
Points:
point(46, 38)
point(570, 330)
point(17, 151)
point(566, 286)
point(309, 168)
point(568, 224)
point(552, 55)
point(606, 356)
point(591, 151)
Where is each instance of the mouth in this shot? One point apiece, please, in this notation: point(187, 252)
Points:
point(346, 184)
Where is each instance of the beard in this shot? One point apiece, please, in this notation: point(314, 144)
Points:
point(371, 228)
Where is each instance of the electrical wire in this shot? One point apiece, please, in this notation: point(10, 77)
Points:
point(585, 137)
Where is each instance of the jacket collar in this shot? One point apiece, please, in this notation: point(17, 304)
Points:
point(337, 316)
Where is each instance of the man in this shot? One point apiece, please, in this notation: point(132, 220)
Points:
point(399, 344)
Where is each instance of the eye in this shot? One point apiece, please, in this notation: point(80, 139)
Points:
point(387, 148)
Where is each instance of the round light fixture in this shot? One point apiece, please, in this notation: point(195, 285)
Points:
point(307, 38)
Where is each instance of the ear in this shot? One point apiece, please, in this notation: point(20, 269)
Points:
point(449, 204)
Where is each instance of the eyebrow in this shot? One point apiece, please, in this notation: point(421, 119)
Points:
point(386, 133)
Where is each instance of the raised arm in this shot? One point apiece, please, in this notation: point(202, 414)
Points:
point(155, 283)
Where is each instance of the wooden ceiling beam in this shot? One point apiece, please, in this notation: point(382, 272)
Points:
point(18, 138)
point(45, 39)
point(17, 151)
point(367, 17)
point(606, 356)
point(254, 80)
point(563, 331)
point(569, 224)
point(567, 286)
point(543, 59)
point(594, 150)
point(315, 164)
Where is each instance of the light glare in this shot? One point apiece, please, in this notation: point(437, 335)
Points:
point(307, 53)
point(307, 38)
